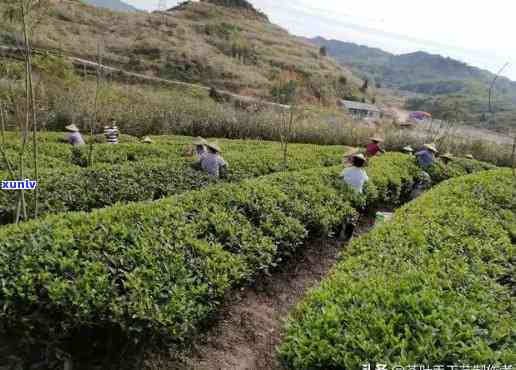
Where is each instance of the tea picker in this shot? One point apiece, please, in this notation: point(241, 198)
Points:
point(212, 161)
point(74, 137)
point(355, 177)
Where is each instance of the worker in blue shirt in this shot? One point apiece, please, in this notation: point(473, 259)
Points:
point(426, 157)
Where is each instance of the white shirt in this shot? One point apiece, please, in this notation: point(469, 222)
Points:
point(355, 177)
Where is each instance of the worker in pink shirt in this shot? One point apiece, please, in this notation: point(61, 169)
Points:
point(373, 148)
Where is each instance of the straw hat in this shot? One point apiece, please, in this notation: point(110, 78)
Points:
point(199, 141)
point(431, 147)
point(359, 156)
point(447, 156)
point(408, 149)
point(72, 128)
point(470, 156)
point(147, 139)
point(376, 139)
point(214, 146)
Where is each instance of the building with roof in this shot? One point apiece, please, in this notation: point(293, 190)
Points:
point(360, 110)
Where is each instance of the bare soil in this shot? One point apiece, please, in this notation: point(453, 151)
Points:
point(248, 330)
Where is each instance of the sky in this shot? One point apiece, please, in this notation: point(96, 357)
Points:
point(476, 32)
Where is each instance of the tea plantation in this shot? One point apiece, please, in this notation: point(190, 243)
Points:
point(157, 247)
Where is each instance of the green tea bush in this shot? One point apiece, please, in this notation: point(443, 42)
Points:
point(433, 286)
point(84, 189)
point(150, 172)
point(158, 270)
point(44, 161)
point(458, 167)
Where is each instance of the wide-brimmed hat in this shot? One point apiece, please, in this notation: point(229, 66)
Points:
point(470, 156)
point(214, 146)
point(199, 141)
point(447, 156)
point(359, 156)
point(72, 128)
point(376, 139)
point(147, 139)
point(431, 147)
point(408, 149)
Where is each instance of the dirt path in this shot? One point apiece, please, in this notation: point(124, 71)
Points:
point(249, 326)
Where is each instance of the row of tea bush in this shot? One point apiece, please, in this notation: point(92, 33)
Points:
point(433, 286)
point(161, 172)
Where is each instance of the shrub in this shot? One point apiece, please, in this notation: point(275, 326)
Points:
point(434, 286)
point(149, 172)
point(458, 167)
point(154, 270)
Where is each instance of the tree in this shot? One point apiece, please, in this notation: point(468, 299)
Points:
point(285, 89)
point(323, 51)
point(27, 14)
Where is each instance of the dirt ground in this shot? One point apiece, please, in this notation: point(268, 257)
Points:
point(249, 327)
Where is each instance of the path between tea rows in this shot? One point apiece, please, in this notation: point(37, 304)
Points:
point(248, 328)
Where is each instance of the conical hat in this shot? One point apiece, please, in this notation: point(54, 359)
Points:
point(470, 156)
point(377, 139)
point(214, 146)
point(359, 156)
point(147, 139)
point(408, 149)
point(447, 156)
point(199, 141)
point(72, 128)
point(431, 147)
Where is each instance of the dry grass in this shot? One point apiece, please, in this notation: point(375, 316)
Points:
point(142, 110)
point(191, 44)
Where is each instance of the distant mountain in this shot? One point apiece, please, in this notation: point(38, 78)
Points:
point(407, 71)
point(441, 80)
point(115, 5)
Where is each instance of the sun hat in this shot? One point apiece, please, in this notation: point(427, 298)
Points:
point(408, 149)
point(214, 146)
point(431, 147)
point(72, 128)
point(199, 141)
point(147, 139)
point(447, 156)
point(376, 139)
point(359, 156)
point(470, 156)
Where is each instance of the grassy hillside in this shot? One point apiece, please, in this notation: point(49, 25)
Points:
point(224, 44)
point(448, 87)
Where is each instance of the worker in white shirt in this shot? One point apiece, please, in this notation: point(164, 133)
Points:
point(356, 176)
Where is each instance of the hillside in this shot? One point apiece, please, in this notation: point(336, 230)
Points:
point(440, 80)
point(218, 43)
point(115, 5)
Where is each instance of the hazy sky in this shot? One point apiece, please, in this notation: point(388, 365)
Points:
point(477, 32)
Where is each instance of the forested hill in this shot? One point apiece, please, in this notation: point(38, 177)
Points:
point(439, 78)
